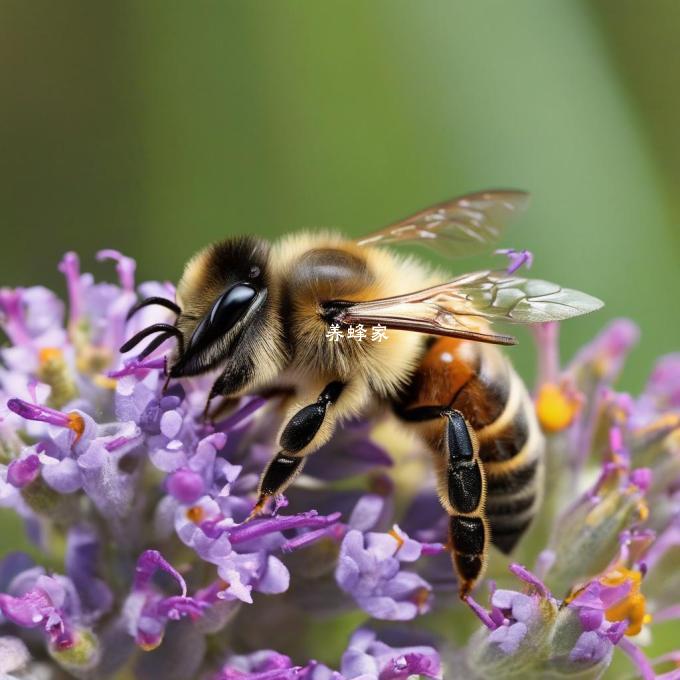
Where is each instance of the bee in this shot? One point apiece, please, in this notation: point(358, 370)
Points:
point(260, 314)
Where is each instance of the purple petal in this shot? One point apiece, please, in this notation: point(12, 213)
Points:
point(590, 647)
point(148, 563)
point(591, 619)
point(638, 658)
point(63, 476)
point(171, 424)
point(125, 266)
point(258, 528)
point(275, 579)
point(23, 471)
point(509, 638)
point(82, 557)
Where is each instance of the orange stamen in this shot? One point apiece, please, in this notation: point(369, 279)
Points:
point(48, 354)
point(400, 541)
point(420, 597)
point(630, 608)
point(76, 423)
point(195, 514)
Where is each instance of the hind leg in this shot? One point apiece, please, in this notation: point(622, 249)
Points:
point(461, 485)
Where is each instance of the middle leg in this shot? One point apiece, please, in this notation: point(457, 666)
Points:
point(309, 424)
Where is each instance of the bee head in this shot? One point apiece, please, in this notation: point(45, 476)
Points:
point(223, 298)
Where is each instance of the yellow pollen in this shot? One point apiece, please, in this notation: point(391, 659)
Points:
point(76, 423)
point(632, 607)
point(601, 366)
point(668, 425)
point(555, 408)
point(619, 414)
point(49, 354)
point(195, 514)
point(397, 538)
point(92, 360)
point(619, 574)
point(643, 510)
point(104, 382)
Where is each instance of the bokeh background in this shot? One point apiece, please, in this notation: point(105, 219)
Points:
point(156, 127)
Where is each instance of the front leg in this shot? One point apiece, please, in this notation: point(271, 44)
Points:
point(306, 429)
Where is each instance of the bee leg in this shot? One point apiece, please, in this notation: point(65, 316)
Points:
point(299, 438)
point(302, 428)
point(466, 495)
point(222, 409)
point(276, 478)
point(462, 491)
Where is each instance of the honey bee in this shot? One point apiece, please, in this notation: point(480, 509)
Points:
point(260, 315)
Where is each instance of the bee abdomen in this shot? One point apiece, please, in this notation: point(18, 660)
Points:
point(511, 449)
point(508, 529)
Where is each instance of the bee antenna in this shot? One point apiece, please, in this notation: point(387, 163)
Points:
point(163, 302)
point(165, 328)
point(153, 345)
point(165, 384)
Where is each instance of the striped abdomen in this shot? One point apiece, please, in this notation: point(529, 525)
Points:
point(477, 380)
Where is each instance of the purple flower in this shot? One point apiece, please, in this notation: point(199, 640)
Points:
point(583, 629)
point(369, 569)
point(147, 611)
point(516, 619)
point(589, 528)
point(368, 657)
point(41, 601)
point(609, 608)
point(263, 665)
point(664, 383)
point(518, 258)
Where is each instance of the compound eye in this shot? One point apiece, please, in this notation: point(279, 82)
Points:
point(225, 314)
point(231, 307)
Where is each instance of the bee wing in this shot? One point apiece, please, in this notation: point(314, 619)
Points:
point(465, 306)
point(462, 226)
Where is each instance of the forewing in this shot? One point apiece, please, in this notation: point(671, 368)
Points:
point(465, 306)
point(463, 226)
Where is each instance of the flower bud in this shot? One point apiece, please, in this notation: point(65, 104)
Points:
point(520, 639)
point(587, 535)
point(82, 654)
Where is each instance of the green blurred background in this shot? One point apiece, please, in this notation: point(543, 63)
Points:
point(156, 127)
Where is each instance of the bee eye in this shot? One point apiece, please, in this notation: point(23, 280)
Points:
point(225, 313)
point(231, 306)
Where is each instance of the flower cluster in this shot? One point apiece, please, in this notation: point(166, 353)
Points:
point(146, 562)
